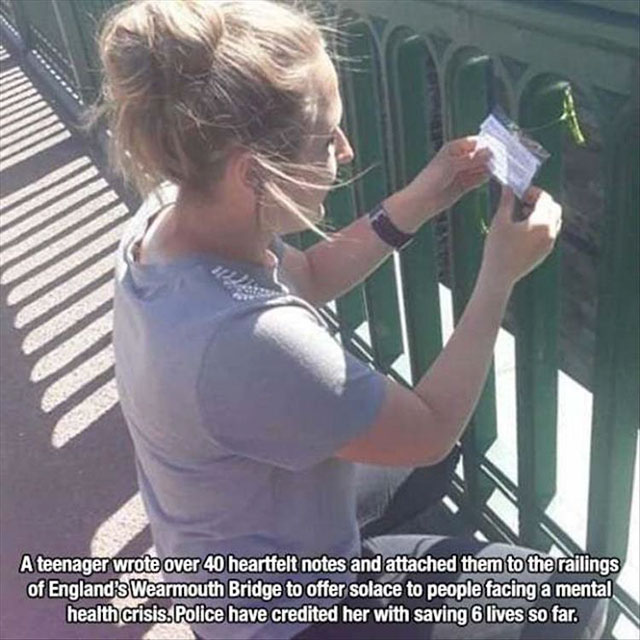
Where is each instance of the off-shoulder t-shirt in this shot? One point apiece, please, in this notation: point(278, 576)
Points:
point(236, 397)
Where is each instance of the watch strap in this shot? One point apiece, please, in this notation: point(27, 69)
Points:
point(387, 231)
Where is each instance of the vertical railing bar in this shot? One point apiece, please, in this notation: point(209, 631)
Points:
point(71, 33)
point(350, 307)
point(541, 460)
point(380, 287)
point(616, 412)
point(22, 24)
point(65, 40)
point(466, 88)
point(536, 308)
point(418, 261)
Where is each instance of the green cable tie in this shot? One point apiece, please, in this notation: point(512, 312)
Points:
point(570, 115)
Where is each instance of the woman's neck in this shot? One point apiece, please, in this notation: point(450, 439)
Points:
point(223, 225)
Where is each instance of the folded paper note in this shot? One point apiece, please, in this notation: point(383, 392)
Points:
point(515, 157)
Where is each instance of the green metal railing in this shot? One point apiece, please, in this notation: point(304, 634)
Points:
point(63, 33)
point(523, 55)
point(449, 61)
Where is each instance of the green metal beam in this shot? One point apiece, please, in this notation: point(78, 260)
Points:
point(468, 96)
point(616, 412)
point(365, 109)
point(536, 310)
point(411, 114)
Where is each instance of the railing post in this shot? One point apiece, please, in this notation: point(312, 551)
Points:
point(468, 94)
point(72, 36)
point(411, 112)
point(366, 118)
point(22, 24)
point(616, 410)
point(536, 308)
point(341, 211)
point(350, 307)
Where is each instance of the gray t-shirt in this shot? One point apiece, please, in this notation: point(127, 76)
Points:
point(236, 397)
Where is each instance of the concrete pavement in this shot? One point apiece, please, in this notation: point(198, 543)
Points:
point(68, 486)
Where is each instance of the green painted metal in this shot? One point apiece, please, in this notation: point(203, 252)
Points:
point(467, 90)
point(87, 15)
point(341, 213)
point(410, 115)
point(616, 408)
point(21, 21)
point(341, 207)
point(629, 7)
point(71, 25)
point(601, 58)
point(307, 239)
point(42, 18)
point(293, 239)
point(364, 112)
point(536, 306)
point(6, 9)
point(83, 17)
point(341, 210)
point(531, 48)
point(41, 25)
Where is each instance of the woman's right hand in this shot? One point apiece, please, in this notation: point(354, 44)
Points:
point(514, 248)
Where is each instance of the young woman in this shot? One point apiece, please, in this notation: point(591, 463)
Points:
point(246, 415)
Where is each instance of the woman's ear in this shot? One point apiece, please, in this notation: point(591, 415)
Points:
point(253, 178)
point(242, 172)
point(254, 183)
point(245, 169)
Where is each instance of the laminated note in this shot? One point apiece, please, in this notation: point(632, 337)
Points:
point(515, 157)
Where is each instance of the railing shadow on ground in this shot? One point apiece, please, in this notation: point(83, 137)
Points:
point(68, 478)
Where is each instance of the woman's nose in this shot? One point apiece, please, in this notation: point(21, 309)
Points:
point(345, 151)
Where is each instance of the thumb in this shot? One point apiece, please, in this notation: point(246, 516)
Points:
point(507, 201)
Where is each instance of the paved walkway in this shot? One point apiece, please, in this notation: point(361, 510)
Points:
point(68, 484)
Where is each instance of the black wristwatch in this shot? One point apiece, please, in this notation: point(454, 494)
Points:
point(386, 230)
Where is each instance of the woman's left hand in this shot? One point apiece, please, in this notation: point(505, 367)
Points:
point(456, 169)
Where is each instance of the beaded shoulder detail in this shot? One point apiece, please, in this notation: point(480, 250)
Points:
point(241, 286)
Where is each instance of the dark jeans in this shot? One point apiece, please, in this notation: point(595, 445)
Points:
point(386, 498)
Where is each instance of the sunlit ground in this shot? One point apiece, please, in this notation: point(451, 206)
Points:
point(58, 235)
point(57, 239)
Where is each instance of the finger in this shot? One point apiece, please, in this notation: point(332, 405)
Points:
point(469, 143)
point(479, 159)
point(470, 179)
point(532, 194)
point(559, 220)
point(477, 168)
point(507, 201)
point(463, 146)
point(526, 210)
point(483, 156)
point(475, 178)
point(479, 153)
point(546, 216)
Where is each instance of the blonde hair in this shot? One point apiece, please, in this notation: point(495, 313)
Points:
point(185, 81)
